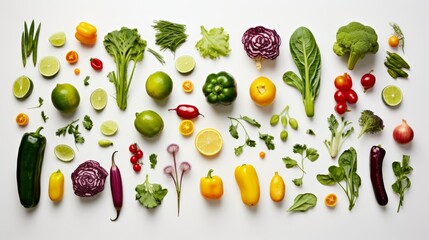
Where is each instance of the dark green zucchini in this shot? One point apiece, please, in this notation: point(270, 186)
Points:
point(29, 167)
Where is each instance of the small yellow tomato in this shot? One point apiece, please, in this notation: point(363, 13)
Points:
point(262, 91)
point(56, 186)
point(22, 119)
point(394, 41)
point(277, 188)
point(331, 200)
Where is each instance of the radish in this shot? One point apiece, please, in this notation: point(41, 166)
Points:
point(116, 187)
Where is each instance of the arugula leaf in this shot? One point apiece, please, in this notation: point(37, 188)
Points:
point(87, 122)
point(303, 202)
point(40, 103)
point(214, 43)
point(402, 183)
point(44, 117)
point(153, 158)
point(150, 195)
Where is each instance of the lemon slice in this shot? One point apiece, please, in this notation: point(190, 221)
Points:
point(57, 39)
point(22, 87)
point(391, 95)
point(49, 66)
point(98, 99)
point(185, 64)
point(208, 142)
point(64, 152)
point(109, 128)
point(186, 127)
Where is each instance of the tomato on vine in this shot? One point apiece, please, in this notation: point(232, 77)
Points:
point(343, 82)
point(340, 96)
point(351, 96)
point(341, 108)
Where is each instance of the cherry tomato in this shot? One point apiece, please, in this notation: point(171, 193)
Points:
point(340, 96)
point(367, 81)
point(137, 167)
point(352, 96)
point(96, 64)
point(134, 159)
point(341, 108)
point(133, 148)
point(139, 154)
point(394, 41)
point(343, 82)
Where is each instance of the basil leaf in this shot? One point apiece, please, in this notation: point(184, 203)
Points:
point(303, 202)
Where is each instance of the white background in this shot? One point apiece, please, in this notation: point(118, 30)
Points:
point(75, 218)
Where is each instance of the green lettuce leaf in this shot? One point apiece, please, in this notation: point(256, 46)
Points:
point(214, 43)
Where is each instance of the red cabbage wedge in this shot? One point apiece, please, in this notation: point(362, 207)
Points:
point(88, 179)
point(306, 56)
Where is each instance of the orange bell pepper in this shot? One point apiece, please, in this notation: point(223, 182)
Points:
point(211, 187)
point(86, 33)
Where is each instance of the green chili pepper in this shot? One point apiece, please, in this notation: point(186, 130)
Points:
point(29, 167)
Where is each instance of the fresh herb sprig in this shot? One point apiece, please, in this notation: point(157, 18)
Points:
point(157, 55)
point(234, 132)
point(153, 159)
point(306, 153)
point(169, 35)
point(403, 183)
point(87, 122)
point(44, 117)
point(29, 42)
point(40, 103)
point(73, 129)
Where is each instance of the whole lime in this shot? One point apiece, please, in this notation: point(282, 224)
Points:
point(159, 85)
point(65, 98)
point(149, 123)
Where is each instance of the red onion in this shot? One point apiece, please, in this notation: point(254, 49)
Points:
point(88, 179)
point(261, 43)
point(403, 133)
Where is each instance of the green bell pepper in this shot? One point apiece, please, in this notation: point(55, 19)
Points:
point(220, 88)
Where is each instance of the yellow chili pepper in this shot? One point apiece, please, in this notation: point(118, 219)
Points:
point(86, 33)
point(277, 188)
point(56, 186)
point(211, 187)
point(248, 183)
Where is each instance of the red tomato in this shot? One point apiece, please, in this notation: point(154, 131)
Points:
point(340, 96)
point(367, 81)
point(137, 167)
point(343, 82)
point(133, 148)
point(341, 108)
point(96, 64)
point(139, 153)
point(352, 96)
point(134, 159)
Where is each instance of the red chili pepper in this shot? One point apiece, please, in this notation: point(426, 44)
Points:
point(96, 64)
point(186, 111)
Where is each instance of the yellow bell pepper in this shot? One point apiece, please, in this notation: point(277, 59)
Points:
point(86, 33)
point(248, 183)
point(211, 187)
point(277, 188)
point(56, 186)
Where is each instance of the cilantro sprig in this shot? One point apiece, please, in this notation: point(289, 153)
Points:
point(73, 129)
point(305, 153)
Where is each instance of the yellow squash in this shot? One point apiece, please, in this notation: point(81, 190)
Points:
point(248, 183)
point(277, 188)
point(56, 186)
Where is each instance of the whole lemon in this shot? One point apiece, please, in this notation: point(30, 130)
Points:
point(148, 123)
point(65, 98)
point(159, 85)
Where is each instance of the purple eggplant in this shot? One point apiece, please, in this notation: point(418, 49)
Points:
point(116, 187)
point(376, 164)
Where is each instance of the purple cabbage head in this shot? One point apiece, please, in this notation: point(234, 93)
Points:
point(261, 43)
point(88, 178)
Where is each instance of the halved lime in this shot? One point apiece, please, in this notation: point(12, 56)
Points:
point(98, 99)
point(57, 39)
point(22, 87)
point(185, 64)
point(49, 66)
point(64, 152)
point(109, 128)
point(391, 95)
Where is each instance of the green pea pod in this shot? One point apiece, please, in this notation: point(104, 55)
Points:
point(29, 167)
point(392, 73)
point(397, 58)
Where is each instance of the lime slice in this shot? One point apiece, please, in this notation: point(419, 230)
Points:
point(49, 66)
point(98, 99)
point(64, 152)
point(22, 87)
point(391, 95)
point(109, 128)
point(57, 39)
point(185, 64)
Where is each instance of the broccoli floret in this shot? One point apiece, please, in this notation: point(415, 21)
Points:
point(357, 40)
point(370, 123)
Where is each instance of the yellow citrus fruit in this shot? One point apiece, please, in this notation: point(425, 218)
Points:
point(159, 85)
point(186, 127)
point(208, 142)
point(331, 200)
point(187, 86)
point(65, 97)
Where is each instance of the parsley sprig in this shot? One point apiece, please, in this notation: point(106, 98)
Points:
point(305, 152)
point(73, 129)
